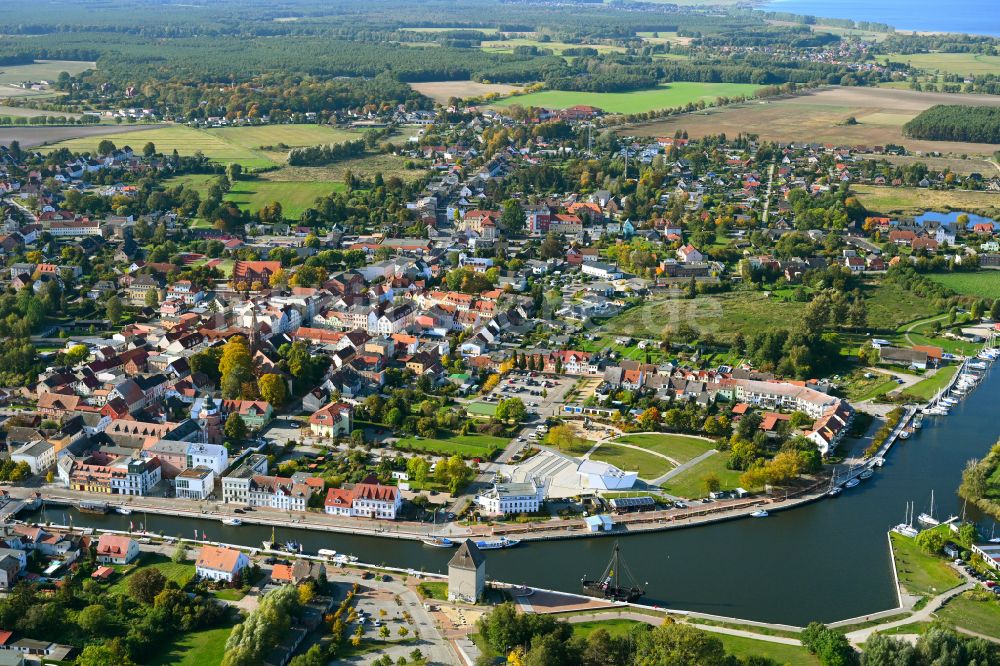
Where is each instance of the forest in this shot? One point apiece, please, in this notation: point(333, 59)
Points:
point(952, 122)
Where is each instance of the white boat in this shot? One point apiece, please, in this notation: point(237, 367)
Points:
point(232, 522)
point(852, 483)
point(833, 492)
point(124, 510)
point(878, 462)
point(439, 542)
point(759, 513)
point(269, 545)
point(918, 421)
point(327, 553)
point(928, 518)
point(906, 527)
point(867, 474)
point(495, 544)
point(904, 434)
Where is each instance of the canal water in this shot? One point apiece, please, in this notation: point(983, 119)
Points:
point(824, 561)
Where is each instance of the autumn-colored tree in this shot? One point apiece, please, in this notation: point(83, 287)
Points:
point(235, 366)
point(272, 389)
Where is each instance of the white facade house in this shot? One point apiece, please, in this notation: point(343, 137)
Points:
point(215, 563)
point(506, 498)
point(601, 270)
point(213, 456)
point(40, 455)
point(116, 549)
point(195, 483)
point(604, 476)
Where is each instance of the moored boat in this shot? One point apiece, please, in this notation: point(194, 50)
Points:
point(123, 510)
point(94, 507)
point(495, 544)
point(609, 585)
point(759, 513)
point(232, 522)
point(867, 474)
point(852, 483)
point(904, 434)
point(438, 542)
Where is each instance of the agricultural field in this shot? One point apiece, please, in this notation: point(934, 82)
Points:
point(679, 447)
point(485, 31)
point(40, 70)
point(951, 63)
point(293, 136)
point(663, 38)
point(916, 200)
point(955, 164)
point(24, 112)
point(690, 482)
point(442, 91)
point(819, 116)
point(984, 284)
point(722, 315)
point(254, 193)
point(507, 46)
point(636, 101)
point(185, 140)
point(32, 137)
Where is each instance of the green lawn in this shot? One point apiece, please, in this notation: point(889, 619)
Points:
point(679, 447)
point(266, 138)
point(179, 573)
point(228, 594)
point(721, 315)
point(795, 655)
point(648, 465)
point(253, 193)
point(921, 574)
point(689, 483)
point(965, 611)
point(435, 590)
point(664, 96)
point(467, 446)
point(735, 645)
point(984, 284)
point(481, 408)
point(613, 627)
point(928, 388)
point(197, 648)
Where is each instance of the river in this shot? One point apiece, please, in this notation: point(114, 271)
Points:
point(824, 561)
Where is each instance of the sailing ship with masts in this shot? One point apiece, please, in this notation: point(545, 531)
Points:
point(610, 586)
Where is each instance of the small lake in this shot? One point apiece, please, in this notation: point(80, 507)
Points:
point(968, 16)
point(953, 217)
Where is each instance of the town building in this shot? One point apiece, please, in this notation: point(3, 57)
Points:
point(116, 549)
point(467, 574)
point(507, 498)
point(220, 564)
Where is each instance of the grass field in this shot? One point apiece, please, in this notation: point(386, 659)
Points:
point(722, 315)
point(921, 574)
point(195, 649)
point(890, 306)
point(984, 284)
point(859, 389)
point(663, 38)
point(293, 136)
point(819, 117)
point(631, 460)
point(679, 447)
point(481, 408)
point(982, 617)
point(951, 63)
point(928, 388)
point(918, 200)
point(24, 112)
point(613, 627)
point(253, 193)
point(636, 101)
point(180, 573)
point(433, 590)
point(467, 446)
point(689, 483)
point(794, 655)
point(955, 164)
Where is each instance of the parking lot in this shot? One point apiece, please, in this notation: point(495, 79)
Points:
point(542, 394)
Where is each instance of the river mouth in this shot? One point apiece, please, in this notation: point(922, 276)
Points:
point(824, 561)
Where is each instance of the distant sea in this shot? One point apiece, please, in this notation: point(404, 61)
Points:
point(978, 17)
